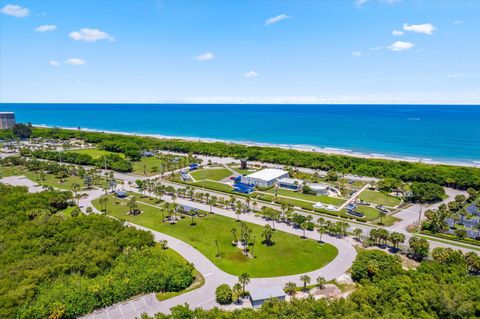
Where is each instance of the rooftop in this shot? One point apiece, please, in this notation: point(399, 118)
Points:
point(290, 181)
point(266, 293)
point(268, 174)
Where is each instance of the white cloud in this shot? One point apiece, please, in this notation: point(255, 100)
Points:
point(75, 61)
point(401, 46)
point(357, 53)
point(53, 63)
point(457, 22)
point(251, 74)
point(207, 56)
point(15, 11)
point(397, 33)
point(426, 28)
point(90, 35)
point(276, 19)
point(46, 28)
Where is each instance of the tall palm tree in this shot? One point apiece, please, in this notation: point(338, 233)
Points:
point(321, 281)
point(244, 279)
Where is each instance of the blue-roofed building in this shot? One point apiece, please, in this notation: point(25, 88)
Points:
point(473, 209)
point(243, 187)
point(259, 295)
point(193, 166)
point(351, 207)
point(121, 194)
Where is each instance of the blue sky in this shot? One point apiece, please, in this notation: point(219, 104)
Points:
point(344, 51)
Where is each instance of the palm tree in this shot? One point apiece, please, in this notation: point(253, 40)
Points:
point(303, 226)
point(321, 230)
point(234, 233)
point(306, 280)
point(244, 279)
point(267, 233)
point(237, 291)
point(321, 281)
point(357, 232)
point(254, 204)
point(381, 215)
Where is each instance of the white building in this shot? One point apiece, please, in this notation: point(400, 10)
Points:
point(258, 296)
point(290, 183)
point(266, 177)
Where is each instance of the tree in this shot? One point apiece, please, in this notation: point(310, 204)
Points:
point(290, 288)
point(236, 291)
point(267, 233)
point(419, 248)
point(89, 210)
point(22, 130)
point(223, 294)
point(132, 206)
point(357, 232)
point(244, 279)
point(381, 215)
point(396, 238)
point(426, 192)
point(234, 233)
point(370, 264)
point(460, 233)
point(306, 280)
point(321, 281)
point(321, 230)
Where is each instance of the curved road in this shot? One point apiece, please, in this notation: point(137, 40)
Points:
point(205, 296)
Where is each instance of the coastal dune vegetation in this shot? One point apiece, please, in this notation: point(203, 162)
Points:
point(445, 175)
point(54, 266)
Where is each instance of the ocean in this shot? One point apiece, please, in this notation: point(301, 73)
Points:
point(448, 133)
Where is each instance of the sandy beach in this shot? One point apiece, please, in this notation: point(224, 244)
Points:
point(298, 147)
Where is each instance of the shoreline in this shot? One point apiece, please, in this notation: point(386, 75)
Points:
point(298, 147)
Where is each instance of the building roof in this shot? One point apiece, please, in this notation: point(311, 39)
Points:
point(472, 209)
point(290, 181)
point(268, 174)
point(6, 113)
point(318, 186)
point(266, 293)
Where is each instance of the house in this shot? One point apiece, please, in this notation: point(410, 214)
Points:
point(259, 295)
point(194, 166)
point(473, 209)
point(265, 177)
point(321, 189)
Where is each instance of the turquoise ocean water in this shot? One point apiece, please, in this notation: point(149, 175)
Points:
point(437, 132)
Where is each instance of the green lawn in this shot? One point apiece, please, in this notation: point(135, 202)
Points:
point(379, 198)
point(94, 152)
point(242, 171)
point(213, 174)
point(51, 180)
point(290, 254)
point(10, 171)
point(216, 186)
point(313, 198)
point(371, 213)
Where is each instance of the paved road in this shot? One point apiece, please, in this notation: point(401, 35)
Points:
point(205, 296)
point(22, 181)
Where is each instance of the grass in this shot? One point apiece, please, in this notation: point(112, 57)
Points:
point(216, 186)
point(94, 152)
point(388, 220)
point(289, 255)
point(51, 180)
point(379, 198)
point(242, 171)
point(213, 174)
point(371, 213)
point(313, 198)
point(146, 164)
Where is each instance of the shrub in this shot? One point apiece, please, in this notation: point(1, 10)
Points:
point(223, 294)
